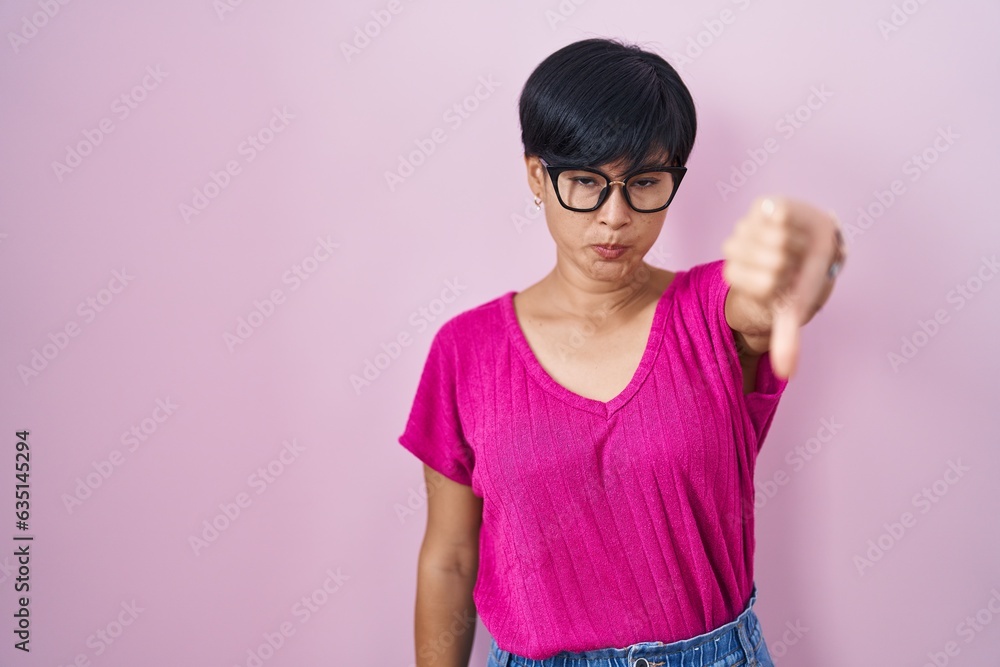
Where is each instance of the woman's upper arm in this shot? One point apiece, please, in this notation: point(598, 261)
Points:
point(454, 517)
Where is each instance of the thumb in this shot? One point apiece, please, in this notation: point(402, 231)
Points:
point(784, 347)
point(789, 307)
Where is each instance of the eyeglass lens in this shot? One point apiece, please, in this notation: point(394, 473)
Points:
point(648, 190)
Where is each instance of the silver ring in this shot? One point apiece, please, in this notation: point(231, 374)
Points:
point(834, 269)
point(839, 255)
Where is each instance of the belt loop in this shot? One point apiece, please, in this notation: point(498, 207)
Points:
point(741, 632)
point(504, 657)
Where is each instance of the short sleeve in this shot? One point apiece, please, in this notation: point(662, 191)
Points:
point(433, 431)
point(762, 403)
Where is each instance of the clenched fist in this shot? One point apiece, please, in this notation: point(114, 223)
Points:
point(780, 261)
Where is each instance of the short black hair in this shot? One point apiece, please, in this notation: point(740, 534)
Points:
point(600, 101)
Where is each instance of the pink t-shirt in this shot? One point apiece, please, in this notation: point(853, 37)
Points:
point(609, 523)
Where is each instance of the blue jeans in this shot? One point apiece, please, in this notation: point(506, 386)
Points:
point(736, 644)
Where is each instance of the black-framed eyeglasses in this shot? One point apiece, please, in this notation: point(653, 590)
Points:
point(584, 189)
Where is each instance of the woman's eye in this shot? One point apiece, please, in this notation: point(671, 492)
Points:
point(583, 180)
point(645, 182)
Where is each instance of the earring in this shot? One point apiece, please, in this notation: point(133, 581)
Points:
point(538, 204)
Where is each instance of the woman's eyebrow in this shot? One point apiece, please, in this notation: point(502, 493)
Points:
point(642, 167)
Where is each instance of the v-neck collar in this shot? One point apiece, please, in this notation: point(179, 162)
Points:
point(603, 408)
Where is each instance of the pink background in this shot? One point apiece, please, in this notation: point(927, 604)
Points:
point(373, 259)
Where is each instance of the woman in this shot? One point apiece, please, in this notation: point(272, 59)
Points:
point(589, 442)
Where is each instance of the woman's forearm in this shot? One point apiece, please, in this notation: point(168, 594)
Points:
point(445, 619)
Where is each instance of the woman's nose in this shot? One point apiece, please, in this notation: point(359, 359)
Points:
point(615, 209)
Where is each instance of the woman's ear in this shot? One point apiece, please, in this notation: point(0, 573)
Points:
point(536, 175)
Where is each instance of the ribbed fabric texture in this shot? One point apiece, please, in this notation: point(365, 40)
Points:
point(609, 523)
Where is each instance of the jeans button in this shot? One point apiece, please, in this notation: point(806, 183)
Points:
point(641, 662)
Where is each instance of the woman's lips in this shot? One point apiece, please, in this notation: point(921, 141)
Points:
point(610, 251)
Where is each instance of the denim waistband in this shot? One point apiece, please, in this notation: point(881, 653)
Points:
point(743, 633)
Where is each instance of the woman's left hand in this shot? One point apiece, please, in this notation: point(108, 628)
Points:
point(778, 258)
